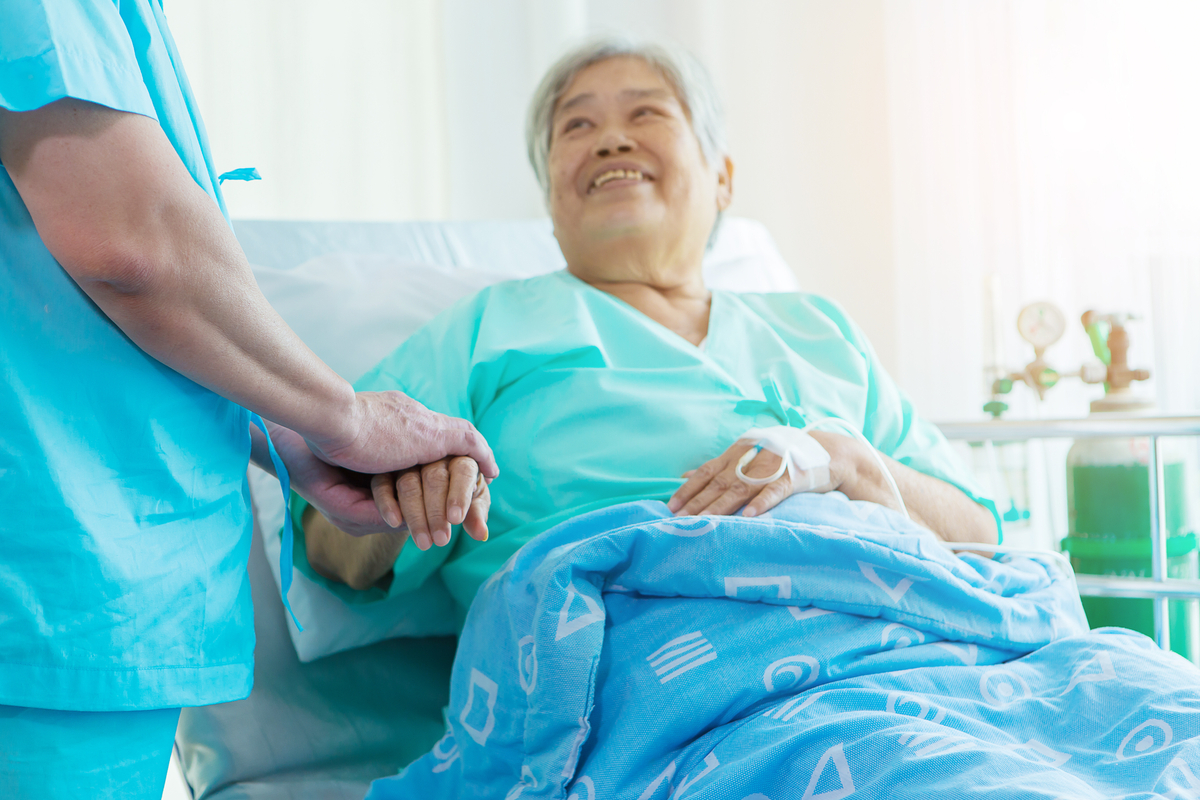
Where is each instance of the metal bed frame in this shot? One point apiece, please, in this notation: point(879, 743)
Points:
point(1158, 587)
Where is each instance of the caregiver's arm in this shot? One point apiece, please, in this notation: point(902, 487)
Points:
point(714, 488)
point(117, 208)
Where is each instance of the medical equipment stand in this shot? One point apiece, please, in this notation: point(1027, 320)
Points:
point(1158, 587)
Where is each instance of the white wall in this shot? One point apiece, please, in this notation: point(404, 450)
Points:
point(903, 153)
point(340, 106)
point(1048, 147)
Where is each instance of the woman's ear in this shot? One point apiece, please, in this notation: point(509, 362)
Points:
point(725, 184)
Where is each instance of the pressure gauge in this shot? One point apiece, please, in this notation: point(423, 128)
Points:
point(1041, 324)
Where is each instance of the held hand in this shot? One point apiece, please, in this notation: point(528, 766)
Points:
point(431, 498)
point(394, 432)
point(344, 498)
point(714, 488)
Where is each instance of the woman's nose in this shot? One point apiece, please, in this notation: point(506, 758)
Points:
point(612, 144)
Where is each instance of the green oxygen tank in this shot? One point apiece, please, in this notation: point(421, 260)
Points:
point(1108, 501)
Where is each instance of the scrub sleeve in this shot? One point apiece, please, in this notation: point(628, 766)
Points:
point(126, 527)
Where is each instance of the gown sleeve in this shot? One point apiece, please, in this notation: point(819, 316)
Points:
point(893, 425)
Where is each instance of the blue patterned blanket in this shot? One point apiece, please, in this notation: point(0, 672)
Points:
point(827, 650)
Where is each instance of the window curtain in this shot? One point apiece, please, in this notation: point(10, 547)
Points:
point(1043, 150)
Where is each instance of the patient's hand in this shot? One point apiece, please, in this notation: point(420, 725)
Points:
point(431, 498)
point(714, 488)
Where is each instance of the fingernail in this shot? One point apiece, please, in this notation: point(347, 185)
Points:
point(749, 512)
point(442, 538)
point(423, 541)
point(672, 506)
point(455, 514)
point(391, 519)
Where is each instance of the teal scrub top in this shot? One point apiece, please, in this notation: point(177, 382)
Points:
point(587, 402)
point(124, 516)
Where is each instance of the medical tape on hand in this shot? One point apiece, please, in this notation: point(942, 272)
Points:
point(801, 452)
point(288, 542)
point(800, 456)
point(875, 454)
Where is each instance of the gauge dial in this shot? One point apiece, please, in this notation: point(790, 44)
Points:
point(1041, 324)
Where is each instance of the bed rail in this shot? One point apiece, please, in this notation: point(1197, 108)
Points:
point(1158, 587)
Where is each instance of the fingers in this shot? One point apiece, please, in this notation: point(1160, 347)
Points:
point(729, 501)
point(771, 495)
point(462, 439)
point(433, 497)
point(383, 490)
point(724, 492)
point(412, 507)
point(464, 473)
point(435, 488)
point(698, 479)
point(476, 522)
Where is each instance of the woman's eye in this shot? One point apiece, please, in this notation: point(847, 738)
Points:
point(573, 125)
point(643, 112)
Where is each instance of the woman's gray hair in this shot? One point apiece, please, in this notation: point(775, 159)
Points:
point(684, 72)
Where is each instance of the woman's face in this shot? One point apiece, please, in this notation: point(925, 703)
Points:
point(624, 164)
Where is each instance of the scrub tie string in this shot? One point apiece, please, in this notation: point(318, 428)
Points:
point(285, 551)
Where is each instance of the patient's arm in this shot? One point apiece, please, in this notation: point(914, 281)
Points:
point(714, 488)
point(357, 561)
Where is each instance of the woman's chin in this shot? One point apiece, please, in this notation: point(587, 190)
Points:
point(625, 223)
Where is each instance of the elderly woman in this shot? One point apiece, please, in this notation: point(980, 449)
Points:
point(623, 377)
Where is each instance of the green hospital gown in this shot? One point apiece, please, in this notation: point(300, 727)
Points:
point(587, 402)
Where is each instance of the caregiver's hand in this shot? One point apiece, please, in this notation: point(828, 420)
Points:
point(344, 498)
point(431, 498)
point(714, 488)
point(390, 431)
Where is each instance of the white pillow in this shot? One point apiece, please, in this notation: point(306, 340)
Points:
point(353, 310)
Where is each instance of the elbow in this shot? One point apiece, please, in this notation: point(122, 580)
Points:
point(361, 580)
point(115, 269)
point(357, 576)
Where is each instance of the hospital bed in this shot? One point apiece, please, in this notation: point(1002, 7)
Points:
point(331, 709)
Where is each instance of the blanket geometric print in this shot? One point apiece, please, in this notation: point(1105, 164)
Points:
point(827, 650)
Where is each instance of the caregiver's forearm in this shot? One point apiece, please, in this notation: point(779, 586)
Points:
point(117, 208)
point(357, 561)
point(933, 503)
